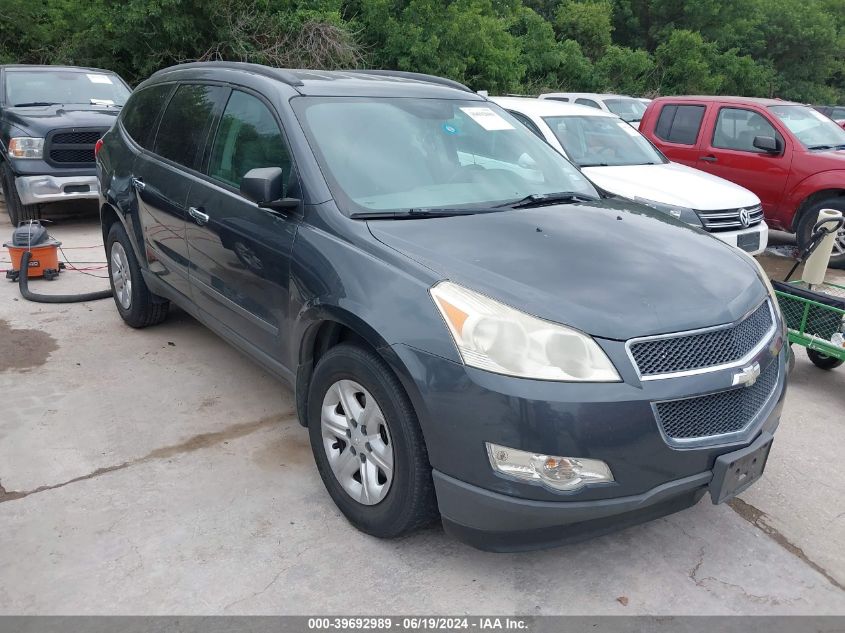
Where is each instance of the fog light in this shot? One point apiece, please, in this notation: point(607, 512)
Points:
point(558, 473)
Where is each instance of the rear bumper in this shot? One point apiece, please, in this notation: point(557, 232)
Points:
point(43, 189)
point(735, 237)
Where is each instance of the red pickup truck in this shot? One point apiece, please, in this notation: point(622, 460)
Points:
point(790, 155)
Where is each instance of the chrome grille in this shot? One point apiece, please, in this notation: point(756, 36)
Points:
point(698, 350)
point(717, 413)
point(729, 219)
point(73, 146)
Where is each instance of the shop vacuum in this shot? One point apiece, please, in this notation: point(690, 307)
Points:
point(35, 254)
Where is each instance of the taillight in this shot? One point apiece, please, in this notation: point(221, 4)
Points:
point(98, 146)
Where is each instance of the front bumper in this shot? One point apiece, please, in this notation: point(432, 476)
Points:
point(497, 522)
point(738, 238)
point(45, 188)
point(461, 408)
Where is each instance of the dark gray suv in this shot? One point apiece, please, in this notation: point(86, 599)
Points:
point(473, 330)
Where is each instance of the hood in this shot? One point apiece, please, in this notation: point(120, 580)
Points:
point(824, 160)
point(39, 120)
point(672, 183)
point(612, 269)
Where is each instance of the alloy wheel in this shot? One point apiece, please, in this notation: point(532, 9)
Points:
point(121, 276)
point(839, 242)
point(357, 442)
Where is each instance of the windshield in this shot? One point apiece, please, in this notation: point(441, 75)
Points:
point(390, 154)
point(627, 109)
point(813, 129)
point(65, 87)
point(592, 141)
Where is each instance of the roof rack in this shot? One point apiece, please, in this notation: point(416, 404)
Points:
point(284, 76)
point(432, 79)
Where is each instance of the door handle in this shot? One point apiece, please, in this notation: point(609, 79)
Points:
point(138, 184)
point(708, 159)
point(199, 217)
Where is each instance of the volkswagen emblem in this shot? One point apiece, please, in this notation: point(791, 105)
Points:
point(744, 218)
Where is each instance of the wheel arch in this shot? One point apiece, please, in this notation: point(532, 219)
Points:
point(812, 199)
point(331, 326)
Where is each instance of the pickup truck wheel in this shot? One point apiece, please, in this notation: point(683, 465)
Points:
point(137, 306)
point(368, 444)
point(18, 212)
point(808, 221)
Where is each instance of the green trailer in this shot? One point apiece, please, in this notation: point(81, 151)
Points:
point(815, 316)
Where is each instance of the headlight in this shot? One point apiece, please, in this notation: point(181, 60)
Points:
point(684, 214)
point(495, 337)
point(26, 147)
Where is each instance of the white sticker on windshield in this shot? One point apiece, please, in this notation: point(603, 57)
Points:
point(487, 118)
point(628, 128)
point(99, 79)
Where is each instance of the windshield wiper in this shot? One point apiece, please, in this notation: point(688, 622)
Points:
point(820, 147)
point(35, 103)
point(416, 214)
point(543, 199)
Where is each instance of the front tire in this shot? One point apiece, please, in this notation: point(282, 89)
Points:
point(808, 221)
point(823, 361)
point(368, 444)
point(137, 306)
point(17, 210)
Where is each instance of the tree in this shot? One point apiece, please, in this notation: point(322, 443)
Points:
point(625, 70)
point(588, 22)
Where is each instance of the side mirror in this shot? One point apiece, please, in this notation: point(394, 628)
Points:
point(768, 144)
point(265, 186)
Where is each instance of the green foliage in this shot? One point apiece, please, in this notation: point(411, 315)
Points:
point(625, 70)
point(588, 22)
point(793, 49)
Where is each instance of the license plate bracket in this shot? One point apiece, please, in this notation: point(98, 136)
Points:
point(748, 241)
point(734, 472)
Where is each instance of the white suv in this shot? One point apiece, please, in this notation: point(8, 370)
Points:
point(628, 109)
point(622, 161)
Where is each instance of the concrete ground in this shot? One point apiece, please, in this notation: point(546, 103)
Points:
point(158, 471)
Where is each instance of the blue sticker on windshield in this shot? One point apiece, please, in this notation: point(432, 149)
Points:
point(450, 129)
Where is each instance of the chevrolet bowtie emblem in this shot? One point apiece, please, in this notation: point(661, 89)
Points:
point(747, 376)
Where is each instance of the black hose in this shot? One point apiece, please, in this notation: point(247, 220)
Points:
point(23, 286)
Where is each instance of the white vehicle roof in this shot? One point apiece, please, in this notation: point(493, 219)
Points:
point(589, 95)
point(548, 107)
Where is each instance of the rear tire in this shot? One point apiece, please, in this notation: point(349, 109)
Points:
point(18, 212)
point(137, 306)
point(409, 501)
point(823, 361)
point(808, 221)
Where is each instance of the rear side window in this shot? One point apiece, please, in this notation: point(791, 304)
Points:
point(679, 123)
point(185, 123)
point(140, 113)
point(838, 113)
point(248, 138)
point(736, 129)
point(559, 99)
point(588, 102)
